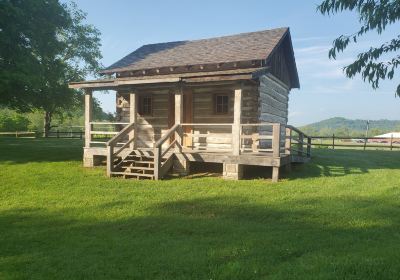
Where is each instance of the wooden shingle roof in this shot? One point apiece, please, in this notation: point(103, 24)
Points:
point(253, 46)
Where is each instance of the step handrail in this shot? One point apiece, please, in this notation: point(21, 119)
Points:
point(120, 134)
point(166, 136)
point(111, 144)
point(158, 154)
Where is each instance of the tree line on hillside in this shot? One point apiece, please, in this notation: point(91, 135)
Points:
point(350, 128)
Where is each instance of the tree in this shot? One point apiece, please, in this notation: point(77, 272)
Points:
point(373, 15)
point(44, 44)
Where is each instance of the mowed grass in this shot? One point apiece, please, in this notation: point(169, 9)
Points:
point(337, 217)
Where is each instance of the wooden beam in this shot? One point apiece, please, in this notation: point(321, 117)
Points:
point(220, 75)
point(237, 116)
point(133, 118)
point(275, 174)
point(288, 140)
point(276, 139)
point(88, 116)
point(218, 78)
point(178, 113)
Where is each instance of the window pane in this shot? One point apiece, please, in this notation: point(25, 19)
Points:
point(221, 104)
point(146, 105)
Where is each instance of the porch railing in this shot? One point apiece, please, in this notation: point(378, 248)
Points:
point(208, 137)
point(271, 139)
point(297, 143)
point(101, 132)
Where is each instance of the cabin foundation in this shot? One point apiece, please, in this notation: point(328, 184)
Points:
point(93, 157)
point(232, 171)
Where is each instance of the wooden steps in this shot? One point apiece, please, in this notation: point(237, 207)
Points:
point(138, 164)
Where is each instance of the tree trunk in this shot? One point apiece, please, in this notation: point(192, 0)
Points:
point(47, 123)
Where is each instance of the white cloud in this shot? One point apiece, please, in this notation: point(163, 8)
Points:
point(312, 39)
point(312, 50)
point(330, 74)
point(296, 114)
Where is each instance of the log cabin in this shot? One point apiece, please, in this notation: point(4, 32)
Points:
point(221, 100)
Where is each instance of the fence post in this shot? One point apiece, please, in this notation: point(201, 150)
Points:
point(333, 141)
point(110, 160)
point(157, 163)
point(276, 139)
point(288, 141)
point(309, 139)
point(391, 142)
point(80, 134)
point(58, 133)
point(16, 134)
point(300, 145)
point(365, 143)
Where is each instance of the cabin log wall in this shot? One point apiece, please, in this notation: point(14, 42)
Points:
point(204, 112)
point(273, 106)
point(150, 128)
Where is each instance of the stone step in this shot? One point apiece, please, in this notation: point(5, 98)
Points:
point(138, 167)
point(133, 174)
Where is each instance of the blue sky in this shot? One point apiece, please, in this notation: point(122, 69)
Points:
point(325, 92)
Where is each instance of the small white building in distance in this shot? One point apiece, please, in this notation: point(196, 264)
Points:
point(389, 135)
point(386, 138)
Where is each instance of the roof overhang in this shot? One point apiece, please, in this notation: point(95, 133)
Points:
point(228, 75)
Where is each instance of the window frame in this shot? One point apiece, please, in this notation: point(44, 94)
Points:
point(141, 109)
point(216, 96)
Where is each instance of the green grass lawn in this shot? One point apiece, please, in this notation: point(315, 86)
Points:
point(337, 217)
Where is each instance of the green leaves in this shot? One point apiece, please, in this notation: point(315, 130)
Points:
point(373, 15)
point(43, 46)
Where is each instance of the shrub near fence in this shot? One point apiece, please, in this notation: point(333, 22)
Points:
point(355, 142)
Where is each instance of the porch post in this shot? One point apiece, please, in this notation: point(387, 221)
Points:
point(133, 118)
point(181, 164)
point(178, 112)
point(237, 116)
point(88, 116)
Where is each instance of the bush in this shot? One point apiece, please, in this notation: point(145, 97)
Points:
point(12, 121)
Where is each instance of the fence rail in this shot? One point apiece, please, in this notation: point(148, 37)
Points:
point(51, 134)
point(17, 134)
point(355, 142)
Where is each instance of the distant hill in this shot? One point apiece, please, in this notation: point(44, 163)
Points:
point(345, 127)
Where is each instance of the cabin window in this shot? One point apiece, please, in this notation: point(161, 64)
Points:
point(221, 104)
point(146, 105)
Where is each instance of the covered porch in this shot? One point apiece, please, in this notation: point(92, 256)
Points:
point(168, 123)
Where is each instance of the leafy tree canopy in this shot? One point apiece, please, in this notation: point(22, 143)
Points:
point(374, 15)
point(44, 44)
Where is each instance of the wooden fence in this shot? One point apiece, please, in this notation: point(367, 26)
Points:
point(66, 134)
point(363, 143)
point(18, 134)
point(51, 134)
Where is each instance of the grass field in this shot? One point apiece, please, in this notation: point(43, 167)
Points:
point(337, 217)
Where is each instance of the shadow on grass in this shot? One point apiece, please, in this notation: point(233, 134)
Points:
point(327, 163)
point(216, 238)
point(337, 163)
point(40, 150)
